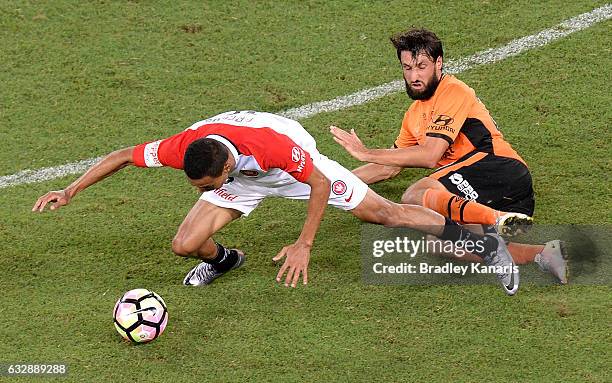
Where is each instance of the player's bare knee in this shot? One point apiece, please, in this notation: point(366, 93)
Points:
point(178, 248)
point(414, 194)
point(183, 248)
point(408, 196)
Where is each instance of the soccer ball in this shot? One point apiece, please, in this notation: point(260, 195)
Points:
point(140, 315)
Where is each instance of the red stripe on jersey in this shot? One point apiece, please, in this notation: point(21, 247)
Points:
point(269, 148)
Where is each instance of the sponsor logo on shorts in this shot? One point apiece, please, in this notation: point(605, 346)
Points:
point(250, 173)
point(298, 155)
point(338, 187)
point(350, 197)
point(464, 186)
point(223, 193)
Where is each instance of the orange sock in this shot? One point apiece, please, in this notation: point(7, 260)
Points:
point(522, 253)
point(459, 209)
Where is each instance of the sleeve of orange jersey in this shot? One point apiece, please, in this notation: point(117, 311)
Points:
point(405, 137)
point(450, 112)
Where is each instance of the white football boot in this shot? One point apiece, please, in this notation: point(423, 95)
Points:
point(204, 273)
point(507, 272)
point(553, 259)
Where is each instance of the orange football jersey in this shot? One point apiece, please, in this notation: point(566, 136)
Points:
point(455, 114)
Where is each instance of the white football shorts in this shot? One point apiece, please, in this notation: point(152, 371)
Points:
point(244, 193)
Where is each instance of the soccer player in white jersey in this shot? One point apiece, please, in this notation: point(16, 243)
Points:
point(236, 159)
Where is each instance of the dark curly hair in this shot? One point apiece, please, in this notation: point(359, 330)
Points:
point(418, 40)
point(204, 157)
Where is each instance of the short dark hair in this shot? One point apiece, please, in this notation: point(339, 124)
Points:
point(418, 40)
point(204, 157)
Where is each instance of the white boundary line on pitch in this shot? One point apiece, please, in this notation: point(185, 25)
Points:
point(488, 56)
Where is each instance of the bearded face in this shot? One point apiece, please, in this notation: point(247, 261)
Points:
point(421, 75)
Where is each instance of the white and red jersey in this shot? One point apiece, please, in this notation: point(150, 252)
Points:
point(271, 149)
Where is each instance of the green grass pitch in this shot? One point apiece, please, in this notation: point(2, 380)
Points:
point(80, 79)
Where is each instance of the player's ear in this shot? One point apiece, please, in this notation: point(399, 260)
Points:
point(439, 63)
point(227, 167)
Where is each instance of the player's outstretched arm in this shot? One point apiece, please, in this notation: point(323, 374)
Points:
point(298, 254)
point(102, 169)
point(426, 155)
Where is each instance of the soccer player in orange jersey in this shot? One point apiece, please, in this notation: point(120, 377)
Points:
point(479, 177)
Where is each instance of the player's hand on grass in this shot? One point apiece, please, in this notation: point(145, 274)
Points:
point(57, 198)
point(350, 142)
point(296, 263)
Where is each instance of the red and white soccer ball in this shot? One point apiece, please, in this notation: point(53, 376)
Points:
point(140, 315)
